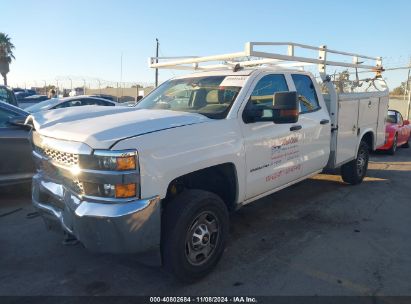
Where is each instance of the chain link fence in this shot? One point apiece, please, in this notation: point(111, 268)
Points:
point(74, 85)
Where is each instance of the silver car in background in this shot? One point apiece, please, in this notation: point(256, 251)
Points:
point(75, 101)
point(16, 161)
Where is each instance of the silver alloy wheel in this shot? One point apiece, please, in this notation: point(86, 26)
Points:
point(202, 238)
point(361, 162)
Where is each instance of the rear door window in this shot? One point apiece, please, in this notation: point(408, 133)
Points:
point(306, 93)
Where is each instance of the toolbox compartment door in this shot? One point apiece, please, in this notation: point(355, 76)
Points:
point(382, 117)
point(347, 130)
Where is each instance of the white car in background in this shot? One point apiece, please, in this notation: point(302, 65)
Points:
point(76, 101)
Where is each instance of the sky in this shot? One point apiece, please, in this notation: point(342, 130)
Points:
point(86, 39)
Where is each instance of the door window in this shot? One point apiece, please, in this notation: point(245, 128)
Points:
point(98, 102)
point(6, 96)
point(91, 102)
point(69, 104)
point(5, 117)
point(306, 93)
point(262, 96)
point(392, 117)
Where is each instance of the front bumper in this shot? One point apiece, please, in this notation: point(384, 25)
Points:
point(129, 227)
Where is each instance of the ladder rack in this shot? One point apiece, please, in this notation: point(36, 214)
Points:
point(250, 57)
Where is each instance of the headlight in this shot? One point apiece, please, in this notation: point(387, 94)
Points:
point(110, 160)
point(119, 163)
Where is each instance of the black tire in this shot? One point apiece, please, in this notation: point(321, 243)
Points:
point(394, 146)
point(190, 214)
point(354, 172)
point(407, 144)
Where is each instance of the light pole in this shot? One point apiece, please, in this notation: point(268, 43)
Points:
point(121, 67)
point(136, 93)
point(84, 86)
point(409, 91)
point(121, 76)
point(99, 85)
point(409, 97)
point(117, 93)
point(57, 87)
point(71, 83)
point(157, 46)
point(45, 87)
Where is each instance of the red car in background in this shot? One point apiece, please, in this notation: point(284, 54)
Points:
point(397, 132)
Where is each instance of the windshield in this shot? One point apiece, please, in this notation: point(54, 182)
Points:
point(43, 105)
point(392, 117)
point(203, 95)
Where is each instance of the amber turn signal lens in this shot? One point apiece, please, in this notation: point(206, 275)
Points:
point(126, 163)
point(127, 190)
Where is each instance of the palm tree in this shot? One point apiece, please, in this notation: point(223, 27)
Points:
point(6, 55)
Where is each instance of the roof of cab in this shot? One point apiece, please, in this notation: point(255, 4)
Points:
point(242, 72)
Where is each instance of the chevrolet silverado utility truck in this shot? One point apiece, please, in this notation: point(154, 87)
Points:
point(160, 179)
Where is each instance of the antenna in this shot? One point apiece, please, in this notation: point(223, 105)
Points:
point(157, 46)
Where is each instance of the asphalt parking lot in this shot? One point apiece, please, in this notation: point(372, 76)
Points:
point(319, 237)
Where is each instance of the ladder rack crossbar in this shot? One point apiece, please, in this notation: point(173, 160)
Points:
point(251, 57)
point(315, 48)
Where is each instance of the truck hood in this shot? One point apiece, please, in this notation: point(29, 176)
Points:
point(101, 127)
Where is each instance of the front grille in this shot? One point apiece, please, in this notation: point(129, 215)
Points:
point(64, 158)
point(77, 187)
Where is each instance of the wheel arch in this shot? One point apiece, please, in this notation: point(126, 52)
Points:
point(221, 179)
point(369, 137)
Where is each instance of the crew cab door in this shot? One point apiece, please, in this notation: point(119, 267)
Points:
point(316, 124)
point(272, 151)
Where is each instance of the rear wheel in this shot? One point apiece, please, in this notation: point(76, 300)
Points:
point(393, 148)
point(196, 229)
point(354, 172)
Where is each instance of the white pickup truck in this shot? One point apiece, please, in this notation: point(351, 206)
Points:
point(160, 179)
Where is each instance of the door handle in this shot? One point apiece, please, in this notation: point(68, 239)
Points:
point(296, 128)
point(324, 121)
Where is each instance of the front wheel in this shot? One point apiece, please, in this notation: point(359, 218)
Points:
point(195, 234)
point(354, 172)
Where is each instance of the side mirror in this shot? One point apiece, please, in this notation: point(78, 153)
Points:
point(20, 122)
point(406, 122)
point(285, 107)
